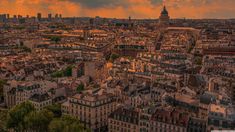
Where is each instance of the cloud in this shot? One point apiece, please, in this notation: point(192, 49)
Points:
point(122, 8)
point(100, 3)
point(156, 2)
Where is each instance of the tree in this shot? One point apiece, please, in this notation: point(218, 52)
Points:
point(56, 125)
point(74, 127)
point(68, 71)
point(57, 74)
point(56, 39)
point(26, 49)
point(38, 121)
point(15, 118)
point(2, 83)
point(80, 87)
point(113, 57)
point(55, 109)
point(198, 60)
point(190, 49)
point(21, 43)
point(66, 124)
point(3, 118)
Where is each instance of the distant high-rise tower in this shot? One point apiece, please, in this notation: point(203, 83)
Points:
point(49, 16)
point(56, 16)
point(19, 16)
point(130, 22)
point(15, 18)
point(8, 16)
point(39, 16)
point(164, 17)
point(91, 22)
point(3, 17)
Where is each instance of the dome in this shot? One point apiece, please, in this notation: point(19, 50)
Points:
point(164, 11)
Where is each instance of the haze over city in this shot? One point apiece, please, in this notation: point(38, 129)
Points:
point(121, 8)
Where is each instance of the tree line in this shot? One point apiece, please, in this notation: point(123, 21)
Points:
point(24, 118)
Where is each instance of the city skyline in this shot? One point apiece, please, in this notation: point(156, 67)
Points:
point(117, 65)
point(139, 9)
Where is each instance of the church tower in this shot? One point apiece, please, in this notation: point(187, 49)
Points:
point(164, 18)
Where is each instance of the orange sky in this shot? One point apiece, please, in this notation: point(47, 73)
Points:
point(122, 8)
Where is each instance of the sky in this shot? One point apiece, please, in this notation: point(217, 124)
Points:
point(122, 8)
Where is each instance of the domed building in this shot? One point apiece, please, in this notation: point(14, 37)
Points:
point(164, 18)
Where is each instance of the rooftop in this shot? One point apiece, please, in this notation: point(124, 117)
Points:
point(217, 108)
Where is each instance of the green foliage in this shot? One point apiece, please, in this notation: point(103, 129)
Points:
point(19, 27)
point(26, 49)
point(113, 57)
point(190, 49)
point(68, 60)
point(67, 29)
point(24, 117)
point(56, 39)
point(2, 83)
point(57, 74)
point(57, 25)
point(38, 120)
point(66, 124)
point(130, 57)
point(21, 43)
point(74, 127)
point(198, 60)
point(80, 88)
point(15, 119)
point(66, 72)
point(52, 26)
point(55, 109)
point(56, 125)
point(3, 118)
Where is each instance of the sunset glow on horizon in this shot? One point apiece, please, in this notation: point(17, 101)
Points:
point(121, 8)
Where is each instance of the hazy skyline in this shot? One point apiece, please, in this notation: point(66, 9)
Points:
point(122, 8)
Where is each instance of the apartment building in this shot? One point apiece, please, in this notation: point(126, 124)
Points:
point(16, 92)
point(169, 121)
point(124, 120)
point(40, 101)
point(92, 108)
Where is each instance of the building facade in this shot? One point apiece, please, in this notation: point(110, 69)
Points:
point(123, 120)
point(92, 108)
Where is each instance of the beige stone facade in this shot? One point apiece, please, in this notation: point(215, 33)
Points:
point(91, 108)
